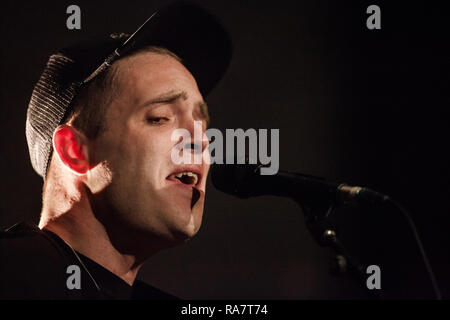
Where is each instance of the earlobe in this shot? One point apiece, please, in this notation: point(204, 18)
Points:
point(71, 147)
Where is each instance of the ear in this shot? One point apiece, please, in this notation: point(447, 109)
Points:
point(71, 147)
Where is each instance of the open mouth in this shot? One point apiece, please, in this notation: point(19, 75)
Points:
point(186, 177)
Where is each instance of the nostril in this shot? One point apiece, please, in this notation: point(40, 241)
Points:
point(193, 146)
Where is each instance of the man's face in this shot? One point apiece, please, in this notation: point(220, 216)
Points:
point(156, 95)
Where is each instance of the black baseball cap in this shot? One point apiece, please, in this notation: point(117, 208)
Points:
point(187, 30)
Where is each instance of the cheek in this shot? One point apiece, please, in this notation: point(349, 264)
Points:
point(156, 145)
point(135, 151)
point(150, 151)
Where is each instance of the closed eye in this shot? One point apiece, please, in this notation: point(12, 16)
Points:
point(157, 120)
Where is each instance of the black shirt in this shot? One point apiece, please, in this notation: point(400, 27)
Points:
point(37, 264)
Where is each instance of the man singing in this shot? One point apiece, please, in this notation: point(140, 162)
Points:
point(99, 130)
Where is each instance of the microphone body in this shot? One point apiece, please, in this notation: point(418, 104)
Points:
point(245, 180)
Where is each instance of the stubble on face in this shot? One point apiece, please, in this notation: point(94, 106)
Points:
point(139, 200)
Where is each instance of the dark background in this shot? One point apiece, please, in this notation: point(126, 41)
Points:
point(368, 107)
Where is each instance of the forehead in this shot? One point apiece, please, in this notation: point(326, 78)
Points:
point(147, 74)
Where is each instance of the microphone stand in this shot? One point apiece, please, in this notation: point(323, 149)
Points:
point(323, 230)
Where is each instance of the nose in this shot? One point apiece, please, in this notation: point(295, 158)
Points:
point(198, 141)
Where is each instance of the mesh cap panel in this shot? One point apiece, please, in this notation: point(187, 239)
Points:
point(48, 105)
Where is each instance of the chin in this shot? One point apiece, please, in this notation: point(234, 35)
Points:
point(186, 232)
point(181, 237)
point(173, 220)
point(185, 221)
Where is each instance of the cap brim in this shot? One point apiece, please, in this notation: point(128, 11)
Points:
point(187, 30)
point(195, 36)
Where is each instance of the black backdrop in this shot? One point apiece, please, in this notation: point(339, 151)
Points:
point(355, 105)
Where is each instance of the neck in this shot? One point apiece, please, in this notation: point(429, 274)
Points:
point(80, 229)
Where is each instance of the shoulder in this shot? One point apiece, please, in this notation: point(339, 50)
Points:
point(31, 265)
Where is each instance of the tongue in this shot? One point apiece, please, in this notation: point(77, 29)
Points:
point(186, 179)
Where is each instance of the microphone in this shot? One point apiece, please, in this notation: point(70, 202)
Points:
point(245, 180)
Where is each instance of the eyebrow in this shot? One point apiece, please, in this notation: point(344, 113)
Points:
point(172, 96)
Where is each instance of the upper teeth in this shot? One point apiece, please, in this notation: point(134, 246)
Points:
point(189, 174)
